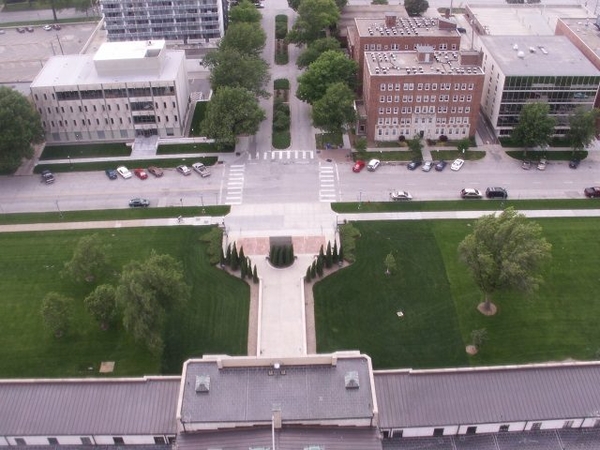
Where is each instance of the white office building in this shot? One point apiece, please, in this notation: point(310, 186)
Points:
point(190, 21)
point(125, 90)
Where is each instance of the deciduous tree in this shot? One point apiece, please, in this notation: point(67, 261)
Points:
point(56, 313)
point(390, 263)
point(247, 38)
point(582, 128)
point(244, 11)
point(230, 68)
point(329, 68)
point(21, 127)
point(315, 49)
point(334, 112)
point(102, 305)
point(232, 111)
point(535, 126)
point(314, 17)
point(416, 7)
point(90, 259)
point(504, 252)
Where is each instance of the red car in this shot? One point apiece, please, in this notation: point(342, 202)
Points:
point(358, 166)
point(592, 192)
point(140, 173)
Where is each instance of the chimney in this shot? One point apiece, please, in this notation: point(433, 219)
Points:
point(390, 20)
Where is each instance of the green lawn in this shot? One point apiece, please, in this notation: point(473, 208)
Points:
point(469, 155)
point(85, 151)
point(356, 307)
point(201, 147)
point(214, 321)
point(197, 118)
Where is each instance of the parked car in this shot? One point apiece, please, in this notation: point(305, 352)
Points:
point(20, 30)
point(30, 29)
point(139, 203)
point(457, 164)
point(461, 29)
point(414, 164)
point(201, 169)
point(592, 192)
point(496, 192)
point(124, 172)
point(140, 173)
point(526, 164)
point(373, 165)
point(56, 26)
point(400, 195)
point(440, 165)
point(47, 177)
point(574, 163)
point(358, 166)
point(111, 174)
point(470, 193)
point(156, 171)
point(184, 170)
point(427, 165)
point(542, 164)
point(48, 27)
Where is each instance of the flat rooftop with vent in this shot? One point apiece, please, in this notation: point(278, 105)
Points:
point(537, 55)
point(222, 392)
point(424, 61)
point(404, 26)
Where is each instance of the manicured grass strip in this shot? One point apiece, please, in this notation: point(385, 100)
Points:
point(131, 163)
point(553, 155)
point(214, 321)
point(201, 147)
point(333, 139)
point(400, 155)
point(281, 139)
point(85, 151)
point(198, 117)
point(465, 205)
point(357, 306)
point(453, 154)
point(113, 214)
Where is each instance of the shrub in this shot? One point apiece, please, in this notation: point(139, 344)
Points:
point(348, 235)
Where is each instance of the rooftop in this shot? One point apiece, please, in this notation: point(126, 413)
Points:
point(407, 63)
point(586, 30)
point(114, 51)
point(504, 394)
point(235, 390)
point(405, 26)
point(89, 406)
point(538, 55)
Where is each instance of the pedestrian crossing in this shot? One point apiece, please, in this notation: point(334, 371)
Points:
point(327, 182)
point(286, 155)
point(235, 184)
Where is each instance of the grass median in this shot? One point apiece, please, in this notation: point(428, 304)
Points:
point(215, 320)
point(357, 306)
point(131, 163)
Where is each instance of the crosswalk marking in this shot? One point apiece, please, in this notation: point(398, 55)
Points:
point(235, 184)
point(286, 155)
point(327, 183)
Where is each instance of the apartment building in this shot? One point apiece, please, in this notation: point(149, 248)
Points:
point(531, 69)
point(188, 21)
point(125, 90)
point(396, 33)
point(426, 93)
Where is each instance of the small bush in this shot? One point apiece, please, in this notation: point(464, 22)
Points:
point(281, 83)
point(281, 26)
point(348, 234)
point(281, 255)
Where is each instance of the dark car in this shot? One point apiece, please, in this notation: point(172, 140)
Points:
point(20, 30)
point(440, 165)
point(47, 177)
point(111, 174)
point(526, 165)
point(414, 164)
point(30, 29)
point(496, 192)
point(574, 163)
point(461, 29)
point(592, 192)
point(139, 203)
point(56, 26)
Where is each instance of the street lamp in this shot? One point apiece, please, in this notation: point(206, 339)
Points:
point(202, 199)
point(70, 162)
point(181, 202)
point(60, 214)
point(359, 199)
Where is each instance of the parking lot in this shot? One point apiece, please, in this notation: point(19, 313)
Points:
point(22, 55)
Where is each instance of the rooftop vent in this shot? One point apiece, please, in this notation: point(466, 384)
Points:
point(351, 380)
point(202, 383)
point(531, 49)
point(515, 47)
point(543, 50)
point(521, 54)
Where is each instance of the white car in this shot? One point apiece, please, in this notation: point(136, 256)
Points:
point(542, 164)
point(400, 195)
point(427, 165)
point(124, 172)
point(48, 27)
point(457, 164)
point(201, 169)
point(184, 170)
point(373, 165)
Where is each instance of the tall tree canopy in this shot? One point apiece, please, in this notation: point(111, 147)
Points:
point(334, 112)
point(232, 111)
point(56, 313)
point(244, 11)
point(295, 4)
point(20, 128)
point(315, 49)
point(146, 291)
point(331, 67)
point(416, 7)
point(582, 128)
point(535, 126)
point(231, 68)
point(102, 304)
point(246, 38)
point(314, 17)
point(504, 252)
point(90, 259)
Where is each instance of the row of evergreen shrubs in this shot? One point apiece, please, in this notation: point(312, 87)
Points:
point(325, 260)
point(281, 255)
point(238, 261)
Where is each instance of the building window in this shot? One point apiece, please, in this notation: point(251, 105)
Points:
point(52, 441)
point(36, 97)
point(536, 426)
point(19, 441)
point(438, 432)
point(471, 430)
point(174, 118)
point(117, 440)
point(420, 86)
point(86, 441)
point(382, 87)
point(397, 86)
point(568, 424)
point(159, 440)
point(381, 98)
point(389, 99)
point(45, 97)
